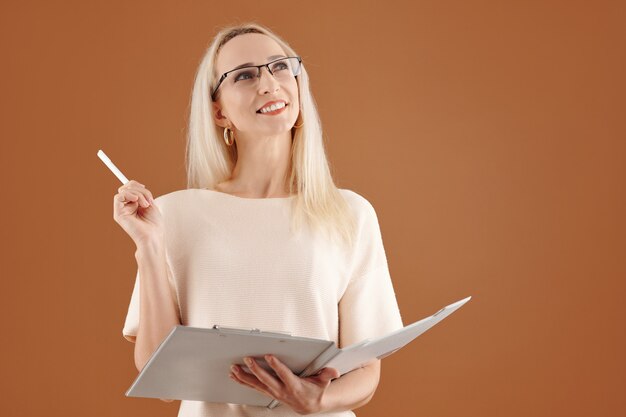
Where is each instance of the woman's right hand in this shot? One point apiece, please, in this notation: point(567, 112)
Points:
point(135, 211)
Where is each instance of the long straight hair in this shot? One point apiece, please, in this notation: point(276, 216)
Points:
point(317, 201)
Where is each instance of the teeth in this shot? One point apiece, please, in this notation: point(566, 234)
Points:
point(272, 107)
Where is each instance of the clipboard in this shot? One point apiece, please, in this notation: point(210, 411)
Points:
point(193, 363)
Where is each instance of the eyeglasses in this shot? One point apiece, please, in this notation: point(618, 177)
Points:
point(282, 69)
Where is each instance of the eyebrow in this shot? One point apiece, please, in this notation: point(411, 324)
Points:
point(269, 58)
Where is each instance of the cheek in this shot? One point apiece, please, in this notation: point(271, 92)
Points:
point(295, 93)
point(235, 110)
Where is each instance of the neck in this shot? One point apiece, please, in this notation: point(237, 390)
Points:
point(263, 167)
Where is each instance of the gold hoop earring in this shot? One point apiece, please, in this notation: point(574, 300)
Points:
point(229, 134)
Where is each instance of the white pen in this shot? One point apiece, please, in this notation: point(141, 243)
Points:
point(112, 166)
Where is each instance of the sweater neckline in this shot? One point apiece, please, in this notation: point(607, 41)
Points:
point(226, 195)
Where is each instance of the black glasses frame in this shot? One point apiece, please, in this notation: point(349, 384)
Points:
point(258, 67)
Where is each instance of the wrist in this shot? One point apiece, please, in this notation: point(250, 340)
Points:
point(150, 247)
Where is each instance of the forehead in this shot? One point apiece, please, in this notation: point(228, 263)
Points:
point(250, 47)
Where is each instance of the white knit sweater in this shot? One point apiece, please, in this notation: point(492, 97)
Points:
point(234, 262)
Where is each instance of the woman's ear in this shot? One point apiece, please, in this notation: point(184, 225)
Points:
point(218, 117)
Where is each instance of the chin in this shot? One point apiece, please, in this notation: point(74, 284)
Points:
point(276, 132)
point(277, 129)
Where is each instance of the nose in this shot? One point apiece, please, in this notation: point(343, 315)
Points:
point(267, 82)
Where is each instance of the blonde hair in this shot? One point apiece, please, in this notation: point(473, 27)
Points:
point(317, 201)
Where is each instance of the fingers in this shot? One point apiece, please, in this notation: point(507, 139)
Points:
point(132, 184)
point(328, 374)
point(273, 384)
point(284, 373)
point(132, 196)
point(134, 192)
point(239, 375)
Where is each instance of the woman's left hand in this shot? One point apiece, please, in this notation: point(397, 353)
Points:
point(303, 395)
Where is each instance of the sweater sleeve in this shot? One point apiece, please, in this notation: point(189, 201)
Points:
point(368, 307)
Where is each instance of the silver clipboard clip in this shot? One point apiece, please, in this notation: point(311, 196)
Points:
point(253, 330)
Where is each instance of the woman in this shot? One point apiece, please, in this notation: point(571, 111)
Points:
point(261, 238)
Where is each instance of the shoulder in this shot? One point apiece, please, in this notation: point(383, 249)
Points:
point(355, 200)
point(178, 199)
point(368, 233)
point(359, 205)
point(176, 196)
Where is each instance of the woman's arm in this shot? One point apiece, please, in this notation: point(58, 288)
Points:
point(352, 390)
point(312, 394)
point(158, 312)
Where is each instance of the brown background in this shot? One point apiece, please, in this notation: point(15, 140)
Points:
point(489, 136)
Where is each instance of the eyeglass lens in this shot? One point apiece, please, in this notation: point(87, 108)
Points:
point(282, 69)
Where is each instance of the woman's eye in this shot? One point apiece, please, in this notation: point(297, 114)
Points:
point(244, 76)
point(280, 66)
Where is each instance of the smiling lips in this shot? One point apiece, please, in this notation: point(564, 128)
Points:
point(273, 107)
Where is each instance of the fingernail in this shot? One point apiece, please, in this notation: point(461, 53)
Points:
point(248, 361)
point(234, 368)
